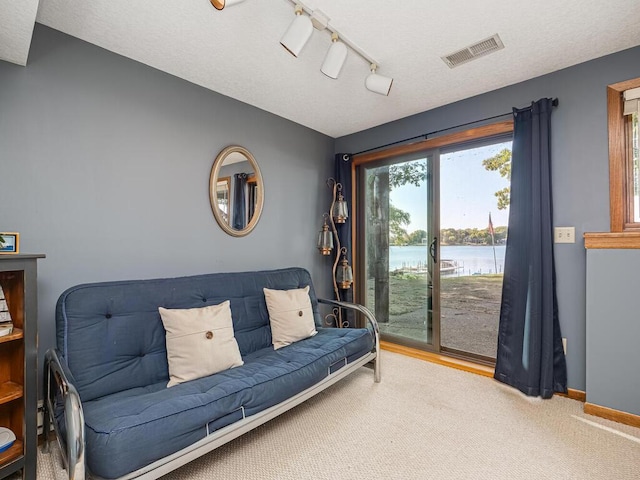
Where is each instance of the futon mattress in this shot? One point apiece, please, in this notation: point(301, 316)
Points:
point(133, 428)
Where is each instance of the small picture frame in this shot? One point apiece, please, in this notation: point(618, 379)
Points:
point(9, 243)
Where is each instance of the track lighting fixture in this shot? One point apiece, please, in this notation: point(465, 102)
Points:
point(378, 83)
point(220, 4)
point(298, 33)
point(336, 56)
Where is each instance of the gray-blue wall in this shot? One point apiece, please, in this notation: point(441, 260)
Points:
point(104, 167)
point(613, 329)
point(580, 165)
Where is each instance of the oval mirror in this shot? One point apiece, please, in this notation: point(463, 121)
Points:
point(236, 191)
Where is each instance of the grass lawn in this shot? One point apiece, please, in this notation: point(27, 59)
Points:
point(470, 310)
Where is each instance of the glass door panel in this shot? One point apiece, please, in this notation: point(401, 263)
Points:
point(474, 215)
point(398, 246)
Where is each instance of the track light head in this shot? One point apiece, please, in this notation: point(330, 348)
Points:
point(298, 33)
point(335, 58)
point(378, 83)
point(220, 4)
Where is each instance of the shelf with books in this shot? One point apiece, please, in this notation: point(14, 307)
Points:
point(17, 334)
point(18, 362)
point(12, 453)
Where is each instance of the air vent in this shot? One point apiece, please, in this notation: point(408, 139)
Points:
point(474, 51)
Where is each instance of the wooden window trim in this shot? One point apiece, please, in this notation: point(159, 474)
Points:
point(620, 170)
point(623, 232)
point(612, 240)
point(457, 138)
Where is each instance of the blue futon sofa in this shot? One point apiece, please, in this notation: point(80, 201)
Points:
point(106, 382)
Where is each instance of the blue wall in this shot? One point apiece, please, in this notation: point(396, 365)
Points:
point(580, 165)
point(104, 167)
point(613, 329)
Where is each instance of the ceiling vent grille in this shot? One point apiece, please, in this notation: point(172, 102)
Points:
point(484, 47)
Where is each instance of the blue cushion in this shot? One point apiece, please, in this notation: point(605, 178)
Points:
point(112, 336)
point(120, 425)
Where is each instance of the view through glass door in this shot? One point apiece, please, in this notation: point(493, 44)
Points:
point(398, 245)
point(431, 260)
point(474, 215)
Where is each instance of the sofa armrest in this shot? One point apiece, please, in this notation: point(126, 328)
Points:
point(373, 323)
point(57, 383)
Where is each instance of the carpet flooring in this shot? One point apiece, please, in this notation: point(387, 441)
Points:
point(424, 421)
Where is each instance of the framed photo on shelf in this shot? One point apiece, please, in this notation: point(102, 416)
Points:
point(9, 242)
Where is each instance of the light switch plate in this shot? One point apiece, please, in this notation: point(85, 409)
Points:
point(564, 234)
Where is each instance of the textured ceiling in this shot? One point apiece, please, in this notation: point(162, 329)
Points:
point(236, 51)
point(16, 26)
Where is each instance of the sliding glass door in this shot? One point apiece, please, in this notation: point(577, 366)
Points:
point(430, 245)
point(398, 246)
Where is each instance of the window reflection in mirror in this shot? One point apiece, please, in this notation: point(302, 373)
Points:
point(252, 191)
point(241, 176)
point(223, 188)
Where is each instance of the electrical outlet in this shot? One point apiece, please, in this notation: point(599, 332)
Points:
point(564, 345)
point(564, 234)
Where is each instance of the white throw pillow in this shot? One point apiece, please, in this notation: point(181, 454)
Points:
point(290, 315)
point(200, 342)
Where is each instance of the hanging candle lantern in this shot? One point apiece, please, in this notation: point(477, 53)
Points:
point(340, 211)
point(344, 274)
point(325, 238)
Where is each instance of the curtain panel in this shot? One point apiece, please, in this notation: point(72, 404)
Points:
point(343, 163)
point(239, 201)
point(530, 356)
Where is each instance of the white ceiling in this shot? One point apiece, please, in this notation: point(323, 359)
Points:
point(236, 51)
point(16, 26)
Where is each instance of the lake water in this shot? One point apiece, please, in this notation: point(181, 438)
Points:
point(472, 259)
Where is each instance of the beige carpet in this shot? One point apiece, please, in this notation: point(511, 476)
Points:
point(424, 421)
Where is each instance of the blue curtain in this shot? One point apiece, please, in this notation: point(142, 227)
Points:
point(530, 355)
point(343, 162)
point(239, 201)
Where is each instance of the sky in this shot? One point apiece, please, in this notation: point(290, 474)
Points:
point(466, 192)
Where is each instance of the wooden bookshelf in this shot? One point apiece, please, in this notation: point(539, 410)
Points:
point(10, 391)
point(13, 453)
point(15, 335)
point(18, 365)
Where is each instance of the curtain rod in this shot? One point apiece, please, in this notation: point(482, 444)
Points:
point(554, 103)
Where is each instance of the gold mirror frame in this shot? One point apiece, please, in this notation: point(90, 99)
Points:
point(213, 186)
